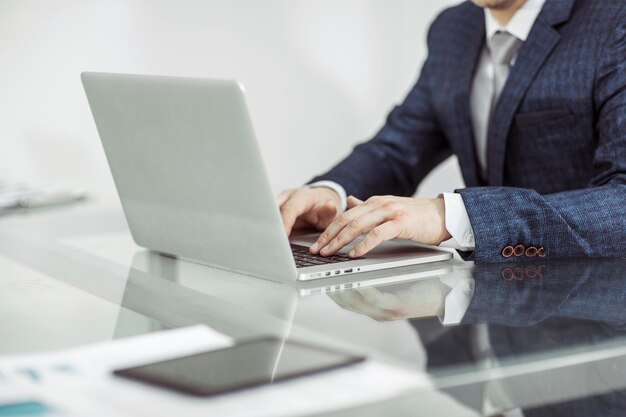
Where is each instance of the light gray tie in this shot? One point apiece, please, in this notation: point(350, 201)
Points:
point(504, 47)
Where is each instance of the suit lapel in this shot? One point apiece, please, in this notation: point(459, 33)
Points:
point(470, 50)
point(542, 39)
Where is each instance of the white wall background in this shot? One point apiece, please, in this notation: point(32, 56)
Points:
point(320, 76)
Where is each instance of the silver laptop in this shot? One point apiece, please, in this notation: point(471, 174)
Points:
point(192, 183)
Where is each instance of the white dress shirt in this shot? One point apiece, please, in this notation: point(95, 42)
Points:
point(457, 220)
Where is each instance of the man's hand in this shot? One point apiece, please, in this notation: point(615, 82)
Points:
point(308, 207)
point(415, 300)
point(384, 218)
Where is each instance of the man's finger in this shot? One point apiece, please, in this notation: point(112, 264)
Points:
point(295, 206)
point(379, 234)
point(384, 300)
point(353, 202)
point(321, 215)
point(337, 225)
point(289, 216)
point(284, 196)
point(354, 302)
point(354, 229)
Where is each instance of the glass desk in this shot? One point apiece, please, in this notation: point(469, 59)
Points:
point(541, 338)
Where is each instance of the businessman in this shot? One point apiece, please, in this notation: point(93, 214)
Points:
point(531, 97)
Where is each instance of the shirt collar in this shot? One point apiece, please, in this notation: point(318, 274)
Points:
point(520, 24)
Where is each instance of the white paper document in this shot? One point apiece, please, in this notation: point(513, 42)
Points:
point(79, 382)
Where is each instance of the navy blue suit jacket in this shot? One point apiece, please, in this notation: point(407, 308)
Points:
point(556, 144)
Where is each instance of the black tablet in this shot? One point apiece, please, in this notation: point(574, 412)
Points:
point(244, 365)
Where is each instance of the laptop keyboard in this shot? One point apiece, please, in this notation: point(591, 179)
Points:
point(304, 258)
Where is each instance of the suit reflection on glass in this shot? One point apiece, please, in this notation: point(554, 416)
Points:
point(536, 309)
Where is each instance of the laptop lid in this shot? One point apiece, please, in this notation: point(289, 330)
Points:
point(188, 171)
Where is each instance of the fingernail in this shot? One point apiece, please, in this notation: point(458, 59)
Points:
point(352, 253)
point(315, 246)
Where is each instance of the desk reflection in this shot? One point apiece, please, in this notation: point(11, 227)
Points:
point(181, 293)
point(535, 310)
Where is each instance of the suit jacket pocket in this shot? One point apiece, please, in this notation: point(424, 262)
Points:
point(548, 120)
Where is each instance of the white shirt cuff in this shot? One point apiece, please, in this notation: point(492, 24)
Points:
point(458, 299)
point(458, 224)
point(343, 198)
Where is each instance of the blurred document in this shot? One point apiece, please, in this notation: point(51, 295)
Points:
point(21, 196)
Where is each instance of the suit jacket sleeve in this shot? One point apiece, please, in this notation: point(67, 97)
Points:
point(585, 222)
point(408, 146)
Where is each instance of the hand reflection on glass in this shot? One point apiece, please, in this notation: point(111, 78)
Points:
point(414, 300)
